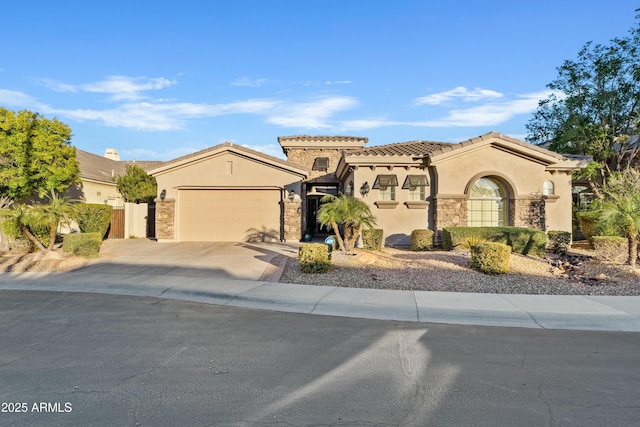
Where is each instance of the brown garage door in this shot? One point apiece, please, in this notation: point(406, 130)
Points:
point(231, 215)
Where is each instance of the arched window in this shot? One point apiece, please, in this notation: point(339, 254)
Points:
point(486, 204)
point(548, 189)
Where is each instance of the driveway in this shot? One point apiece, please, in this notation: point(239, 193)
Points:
point(228, 260)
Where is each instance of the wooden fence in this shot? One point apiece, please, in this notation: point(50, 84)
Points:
point(116, 229)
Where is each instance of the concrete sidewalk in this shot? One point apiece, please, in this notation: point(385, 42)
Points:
point(599, 313)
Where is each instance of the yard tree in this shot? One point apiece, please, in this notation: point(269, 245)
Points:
point(594, 108)
point(349, 211)
point(36, 156)
point(620, 207)
point(136, 186)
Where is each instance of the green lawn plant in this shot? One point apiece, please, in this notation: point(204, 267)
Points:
point(490, 258)
point(421, 240)
point(525, 241)
point(83, 244)
point(314, 258)
point(372, 239)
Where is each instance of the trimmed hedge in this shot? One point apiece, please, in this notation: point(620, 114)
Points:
point(611, 248)
point(314, 258)
point(372, 239)
point(559, 241)
point(490, 257)
point(421, 240)
point(525, 241)
point(82, 244)
point(93, 218)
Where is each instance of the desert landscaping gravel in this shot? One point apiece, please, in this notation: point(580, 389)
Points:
point(450, 271)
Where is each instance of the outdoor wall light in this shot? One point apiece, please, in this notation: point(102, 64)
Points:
point(163, 195)
point(292, 195)
point(364, 190)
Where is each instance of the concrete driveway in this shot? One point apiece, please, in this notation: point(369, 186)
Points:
point(235, 260)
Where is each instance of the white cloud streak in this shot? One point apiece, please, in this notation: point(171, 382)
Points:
point(460, 92)
point(119, 87)
point(248, 82)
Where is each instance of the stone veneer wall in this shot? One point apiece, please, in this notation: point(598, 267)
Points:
point(529, 212)
point(306, 158)
point(450, 213)
point(165, 219)
point(292, 222)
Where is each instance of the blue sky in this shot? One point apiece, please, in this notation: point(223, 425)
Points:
point(157, 80)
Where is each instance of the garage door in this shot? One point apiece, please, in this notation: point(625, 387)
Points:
point(228, 215)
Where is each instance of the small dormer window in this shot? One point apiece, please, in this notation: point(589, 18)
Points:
point(321, 164)
point(416, 185)
point(387, 185)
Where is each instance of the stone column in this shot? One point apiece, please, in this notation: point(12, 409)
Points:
point(529, 211)
point(165, 219)
point(292, 221)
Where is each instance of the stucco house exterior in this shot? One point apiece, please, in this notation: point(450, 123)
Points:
point(98, 176)
point(232, 193)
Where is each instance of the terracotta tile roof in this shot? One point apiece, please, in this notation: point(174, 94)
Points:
point(271, 159)
point(449, 147)
point(322, 138)
point(102, 169)
point(411, 148)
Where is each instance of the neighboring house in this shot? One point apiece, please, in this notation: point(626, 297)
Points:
point(231, 193)
point(98, 175)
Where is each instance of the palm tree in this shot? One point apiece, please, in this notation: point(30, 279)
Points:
point(623, 210)
point(21, 214)
point(58, 211)
point(352, 213)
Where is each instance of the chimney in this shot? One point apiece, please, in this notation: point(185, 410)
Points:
point(112, 153)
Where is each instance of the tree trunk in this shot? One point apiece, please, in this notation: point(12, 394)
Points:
point(53, 231)
point(633, 248)
point(336, 230)
point(33, 238)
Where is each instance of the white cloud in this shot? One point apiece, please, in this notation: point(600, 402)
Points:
point(489, 114)
point(337, 82)
point(248, 82)
point(313, 114)
point(14, 98)
point(465, 94)
point(119, 87)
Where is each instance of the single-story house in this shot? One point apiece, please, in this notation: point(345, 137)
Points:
point(98, 175)
point(232, 193)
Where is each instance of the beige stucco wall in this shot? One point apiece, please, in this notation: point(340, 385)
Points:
point(399, 220)
point(226, 169)
point(229, 170)
point(524, 176)
point(97, 192)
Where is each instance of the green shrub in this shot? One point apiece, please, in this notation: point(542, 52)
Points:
point(525, 241)
point(93, 218)
point(372, 239)
point(559, 241)
point(611, 248)
point(18, 240)
point(490, 258)
point(591, 225)
point(314, 258)
point(421, 240)
point(82, 244)
point(471, 241)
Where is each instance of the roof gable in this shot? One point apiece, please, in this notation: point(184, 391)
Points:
point(229, 147)
point(499, 141)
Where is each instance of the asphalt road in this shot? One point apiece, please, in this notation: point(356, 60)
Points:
point(94, 360)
